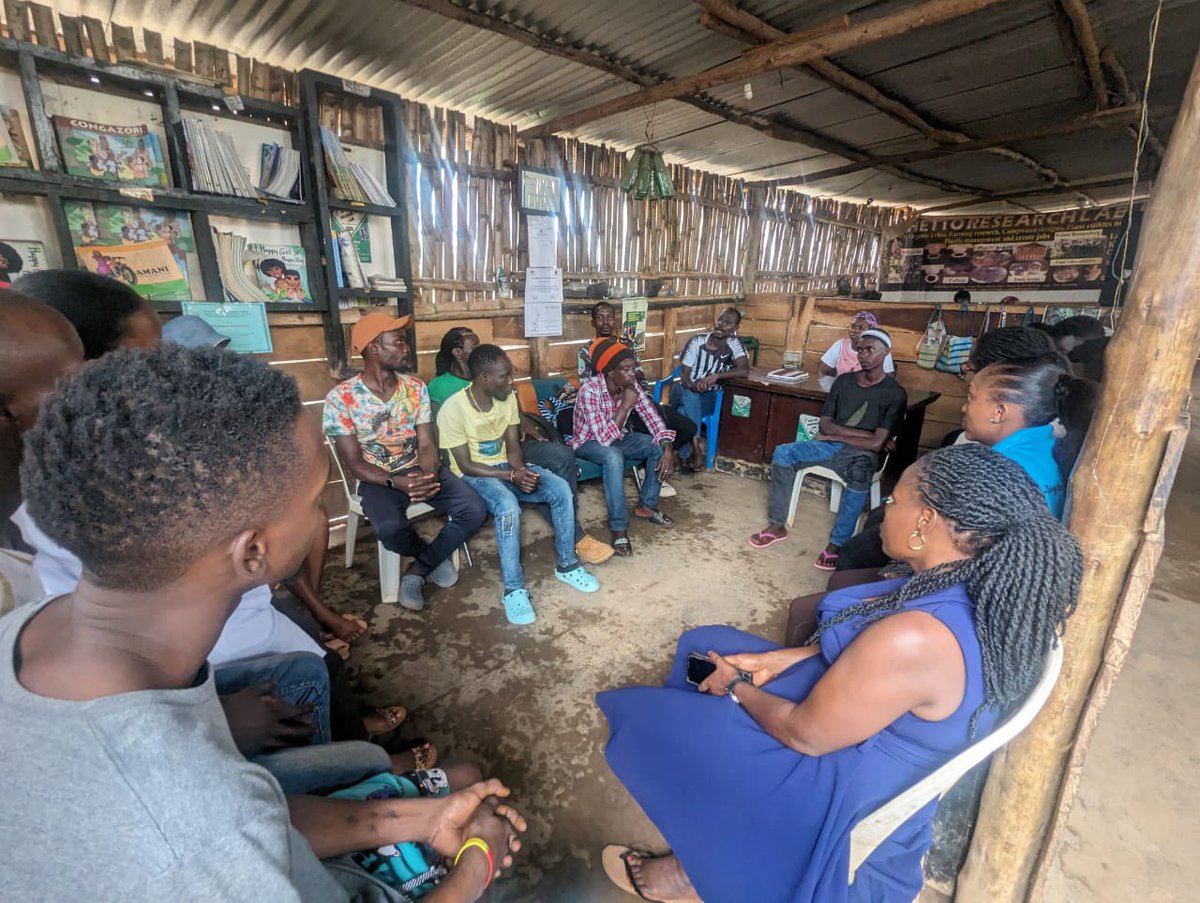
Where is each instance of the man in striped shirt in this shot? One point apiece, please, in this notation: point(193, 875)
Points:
point(602, 435)
point(708, 359)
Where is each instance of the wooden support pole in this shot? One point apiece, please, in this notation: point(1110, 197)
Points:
point(791, 51)
point(754, 230)
point(1097, 120)
point(1111, 493)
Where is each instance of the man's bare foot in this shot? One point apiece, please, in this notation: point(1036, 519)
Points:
point(345, 629)
point(662, 878)
point(419, 758)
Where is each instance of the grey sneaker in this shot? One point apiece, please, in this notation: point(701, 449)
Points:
point(445, 574)
point(412, 594)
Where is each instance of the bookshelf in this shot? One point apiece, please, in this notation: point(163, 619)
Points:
point(317, 90)
point(53, 82)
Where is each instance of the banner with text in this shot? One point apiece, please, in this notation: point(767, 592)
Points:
point(1014, 253)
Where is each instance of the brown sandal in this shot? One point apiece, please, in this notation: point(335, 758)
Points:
point(385, 720)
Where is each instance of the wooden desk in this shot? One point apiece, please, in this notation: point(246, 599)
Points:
point(775, 410)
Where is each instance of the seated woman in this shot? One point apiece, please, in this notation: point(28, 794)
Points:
point(842, 356)
point(1032, 412)
point(757, 793)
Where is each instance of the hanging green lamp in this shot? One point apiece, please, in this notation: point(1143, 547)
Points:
point(646, 176)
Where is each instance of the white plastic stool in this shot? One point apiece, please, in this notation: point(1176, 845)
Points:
point(836, 484)
point(390, 563)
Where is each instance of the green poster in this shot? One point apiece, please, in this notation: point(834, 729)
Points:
point(360, 232)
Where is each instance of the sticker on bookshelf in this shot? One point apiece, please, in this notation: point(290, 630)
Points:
point(138, 194)
point(357, 88)
point(19, 256)
point(233, 103)
point(122, 153)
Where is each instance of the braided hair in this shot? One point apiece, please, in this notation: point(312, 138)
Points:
point(452, 340)
point(1022, 576)
point(1047, 392)
point(1012, 343)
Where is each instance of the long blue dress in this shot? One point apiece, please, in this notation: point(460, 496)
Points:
point(753, 821)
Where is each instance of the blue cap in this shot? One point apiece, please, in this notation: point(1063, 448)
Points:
point(192, 332)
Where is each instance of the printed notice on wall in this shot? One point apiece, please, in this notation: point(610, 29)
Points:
point(543, 302)
point(245, 323)
point(543, 242)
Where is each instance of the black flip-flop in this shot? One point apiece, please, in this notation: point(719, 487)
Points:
point(659, 519)
point(621, 547)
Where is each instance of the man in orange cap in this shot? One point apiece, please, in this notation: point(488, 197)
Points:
point(380, 422)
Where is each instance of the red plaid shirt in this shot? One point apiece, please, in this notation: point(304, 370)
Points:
point(596, 412)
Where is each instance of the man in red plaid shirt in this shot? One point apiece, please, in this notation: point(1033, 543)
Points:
point(601, 435)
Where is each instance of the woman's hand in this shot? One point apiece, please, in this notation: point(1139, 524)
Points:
point(766, 666)
point(716, 682)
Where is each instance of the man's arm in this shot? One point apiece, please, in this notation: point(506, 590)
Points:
point(334, 827)
point(591, 418)
point(741, 367)
point(350, 451)
point(685, 376)
point(427, 450)
point(867, 441)
point(653, 419)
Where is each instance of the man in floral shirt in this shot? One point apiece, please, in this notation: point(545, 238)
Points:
point(380, 424)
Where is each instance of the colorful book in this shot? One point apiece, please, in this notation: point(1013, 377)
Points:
point(122, 153)
point(148, 267)
point(281, 271)
point(13, 149)
point(19, 256)
point(108, 224)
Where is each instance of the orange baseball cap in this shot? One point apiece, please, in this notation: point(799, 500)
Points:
point(373, 325)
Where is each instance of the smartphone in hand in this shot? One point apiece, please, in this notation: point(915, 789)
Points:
point(698, 668)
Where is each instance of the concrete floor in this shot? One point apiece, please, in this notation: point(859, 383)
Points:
point(519, 701)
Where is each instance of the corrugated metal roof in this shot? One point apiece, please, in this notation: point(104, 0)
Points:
point(1001, 70)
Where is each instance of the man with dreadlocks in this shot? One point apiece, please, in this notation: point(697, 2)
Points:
point(757, 780)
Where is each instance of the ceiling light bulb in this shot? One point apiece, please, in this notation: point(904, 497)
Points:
point(94, 79)
point(748, 91)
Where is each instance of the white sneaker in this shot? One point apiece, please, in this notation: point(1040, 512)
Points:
point(667, 491)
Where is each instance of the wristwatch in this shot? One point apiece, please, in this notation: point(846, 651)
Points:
point(742, 678)
point(389, 484)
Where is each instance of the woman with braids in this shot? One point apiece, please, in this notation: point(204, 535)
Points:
point(842, 356)
point(757, 780)
point(451, 364)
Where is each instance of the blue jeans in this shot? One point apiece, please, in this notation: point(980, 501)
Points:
point(612, 458)
point(330, 766)
point(299, 678)
point(695, 407)
point(856, 466)
point(503, 500)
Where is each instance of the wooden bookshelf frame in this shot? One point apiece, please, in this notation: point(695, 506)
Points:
point(312, 86)
point(175, 97)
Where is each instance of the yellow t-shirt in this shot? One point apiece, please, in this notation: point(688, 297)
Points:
point(481, 431)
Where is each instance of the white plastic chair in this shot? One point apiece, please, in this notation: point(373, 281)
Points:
point(836, 484)
point(879, 825)
point(389, 561)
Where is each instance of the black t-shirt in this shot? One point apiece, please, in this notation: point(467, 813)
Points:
point(875, 407)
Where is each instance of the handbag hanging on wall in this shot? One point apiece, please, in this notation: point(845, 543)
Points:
point(955, 349)
point(931, 342)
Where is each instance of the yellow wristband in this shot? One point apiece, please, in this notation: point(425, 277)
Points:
point(477, 842)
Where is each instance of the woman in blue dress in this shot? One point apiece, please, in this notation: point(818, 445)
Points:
point(756, 784)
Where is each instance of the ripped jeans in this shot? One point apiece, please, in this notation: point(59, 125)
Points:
point(503, 500)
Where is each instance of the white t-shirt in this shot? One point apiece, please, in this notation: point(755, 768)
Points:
point(255, 628)
point(831, 357)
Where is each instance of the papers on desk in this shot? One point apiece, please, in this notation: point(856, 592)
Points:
point(784, 375)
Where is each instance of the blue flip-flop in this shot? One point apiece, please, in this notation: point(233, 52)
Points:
point(518, 607)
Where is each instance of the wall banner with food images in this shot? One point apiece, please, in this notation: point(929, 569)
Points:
point(1068, 252)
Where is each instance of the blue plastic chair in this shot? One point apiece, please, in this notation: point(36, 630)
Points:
point(711, 423)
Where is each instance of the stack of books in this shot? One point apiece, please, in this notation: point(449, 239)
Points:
point(280, 176)
point(215, 166)
point(351, 181)
point(388, 284)
point(232, 261)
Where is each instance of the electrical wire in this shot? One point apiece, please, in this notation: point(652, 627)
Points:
point(1139, 148)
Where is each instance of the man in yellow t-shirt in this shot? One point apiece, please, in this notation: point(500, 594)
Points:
point(480, 426)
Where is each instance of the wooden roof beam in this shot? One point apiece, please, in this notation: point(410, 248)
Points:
point(1034, 190)
point(1129, 94)
point(1089, 51)
point(1099, 119)
point(740, 24)
point(792, 51)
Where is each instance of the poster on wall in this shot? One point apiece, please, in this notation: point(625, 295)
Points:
point(1068, 250)
point(633, 323)
point(244, 323)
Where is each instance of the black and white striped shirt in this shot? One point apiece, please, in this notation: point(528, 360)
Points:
point(704, 362)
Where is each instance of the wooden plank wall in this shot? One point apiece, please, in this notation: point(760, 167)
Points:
point(811, 324)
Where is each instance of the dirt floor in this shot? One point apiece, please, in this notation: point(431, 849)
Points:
point(519, 701)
